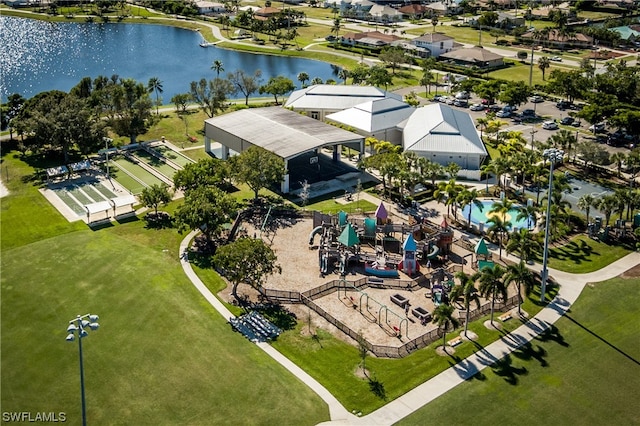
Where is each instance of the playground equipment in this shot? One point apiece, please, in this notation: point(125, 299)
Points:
point(390, 328)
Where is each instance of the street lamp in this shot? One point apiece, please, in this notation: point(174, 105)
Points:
point(553, 155)
point(79, 325)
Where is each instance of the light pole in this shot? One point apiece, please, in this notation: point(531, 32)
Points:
point(553, 155)
point(79, 325)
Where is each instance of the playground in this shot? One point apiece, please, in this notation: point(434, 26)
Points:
point(375, 276)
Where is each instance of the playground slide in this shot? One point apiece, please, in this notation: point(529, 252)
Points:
point(317, 230)
point(434, 253)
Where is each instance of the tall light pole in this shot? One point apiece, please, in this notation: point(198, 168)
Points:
point(79, 325)
point(553, 155)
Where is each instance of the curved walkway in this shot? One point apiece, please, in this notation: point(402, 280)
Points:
point(571, 286)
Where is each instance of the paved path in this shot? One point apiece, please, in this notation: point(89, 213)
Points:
point(571, 285)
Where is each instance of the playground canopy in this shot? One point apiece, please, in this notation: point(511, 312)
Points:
point(381, 212)
point(348, 236)
point(481, 248)
point(99, 207)
point(410, 244)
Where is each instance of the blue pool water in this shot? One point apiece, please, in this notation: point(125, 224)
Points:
point(482, 215)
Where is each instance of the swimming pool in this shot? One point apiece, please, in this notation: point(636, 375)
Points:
point(482, 215)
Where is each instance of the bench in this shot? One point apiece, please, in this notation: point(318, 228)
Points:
point(455, 341)
point(504, 317)
point(399, 300)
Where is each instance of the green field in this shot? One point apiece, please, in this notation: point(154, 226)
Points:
point(585, 371)
point(152, 161)
point(172, 155)
point(161, 356)
point(137, 171)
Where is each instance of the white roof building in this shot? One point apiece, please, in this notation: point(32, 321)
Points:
point(378, 118)
point(320, 100)
point(444, 135)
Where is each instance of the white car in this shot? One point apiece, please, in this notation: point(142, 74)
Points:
point(477, 107)
point(537, 99)
point(555, 59)
point(503, 114)
point(550, 125)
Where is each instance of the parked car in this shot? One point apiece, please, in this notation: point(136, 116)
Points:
point(437, 98)
point(528, 113)
point(550, 125)
point(567, 121)
point(463, 95)
point(461, 103)
point(477, 107)
point(597, 128)
point(536, 99)
point(516, 118)
point(450, 100)
point(555, 59)
point(494, 108)
point(510, 108)
point(503, 114)
point(562, 105)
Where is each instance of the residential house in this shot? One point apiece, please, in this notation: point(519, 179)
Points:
point(369, 39)
point(433, 45)
point(560, 40)
point(414, 11)
point(476, 56)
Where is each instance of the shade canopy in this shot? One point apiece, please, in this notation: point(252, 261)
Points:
point(381, 212)
point(409, 244)
point(348, 236)
point(481, 248)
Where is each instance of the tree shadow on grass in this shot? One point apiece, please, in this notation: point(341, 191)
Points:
point(505, 369)
point(603, 340)
point(162, 220)
point(527, 352)
point(278, 315)
point(377, 388)
point(552, 334)
point(467, 370)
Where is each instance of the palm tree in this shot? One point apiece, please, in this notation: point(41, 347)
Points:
point(524, 242)
point(528, 212)
point(618, 158)
point(446, 192)
point(564, 139)
point(443, 316)
point(607, 205)
point(343, 74)
point(585, 203)
point(155, 85)
point(218, 67)
point(498, 228)
point(303, 77)
point(469, 197)
point(520, 275)
point(468, 291)
point(492, 285)
point(544, 63)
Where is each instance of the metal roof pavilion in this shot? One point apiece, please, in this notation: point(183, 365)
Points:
point(278, 130)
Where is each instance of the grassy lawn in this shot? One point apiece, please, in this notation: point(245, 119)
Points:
point(334, 363)
point(586, 368)
point(582, 254)
point(331, 206)
point(161, 356)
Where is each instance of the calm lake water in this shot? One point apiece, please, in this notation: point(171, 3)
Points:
point(37, 56)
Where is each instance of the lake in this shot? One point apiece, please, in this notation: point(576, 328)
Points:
point(37, 56)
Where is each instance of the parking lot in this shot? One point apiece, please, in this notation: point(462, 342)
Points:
point(544, 111)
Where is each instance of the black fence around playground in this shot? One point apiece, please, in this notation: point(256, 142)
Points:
point(307, 298)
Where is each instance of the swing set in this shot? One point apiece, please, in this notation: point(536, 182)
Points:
point(390, 329)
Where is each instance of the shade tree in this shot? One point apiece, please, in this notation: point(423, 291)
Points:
point(257, 168)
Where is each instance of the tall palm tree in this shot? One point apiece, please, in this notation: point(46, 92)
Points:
point(498, 228)
point(585, 203)
point(544, 63)
point(469, 197)
point(155, 85)
point(524, 242)
point(218, 67)
point(607, 205)
point(618, 158)
point(443, 316)
point(303, 77)
point(520, 275)
point(492, 285)
point(468, 291)
point(343, 74)
point(528, 212)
